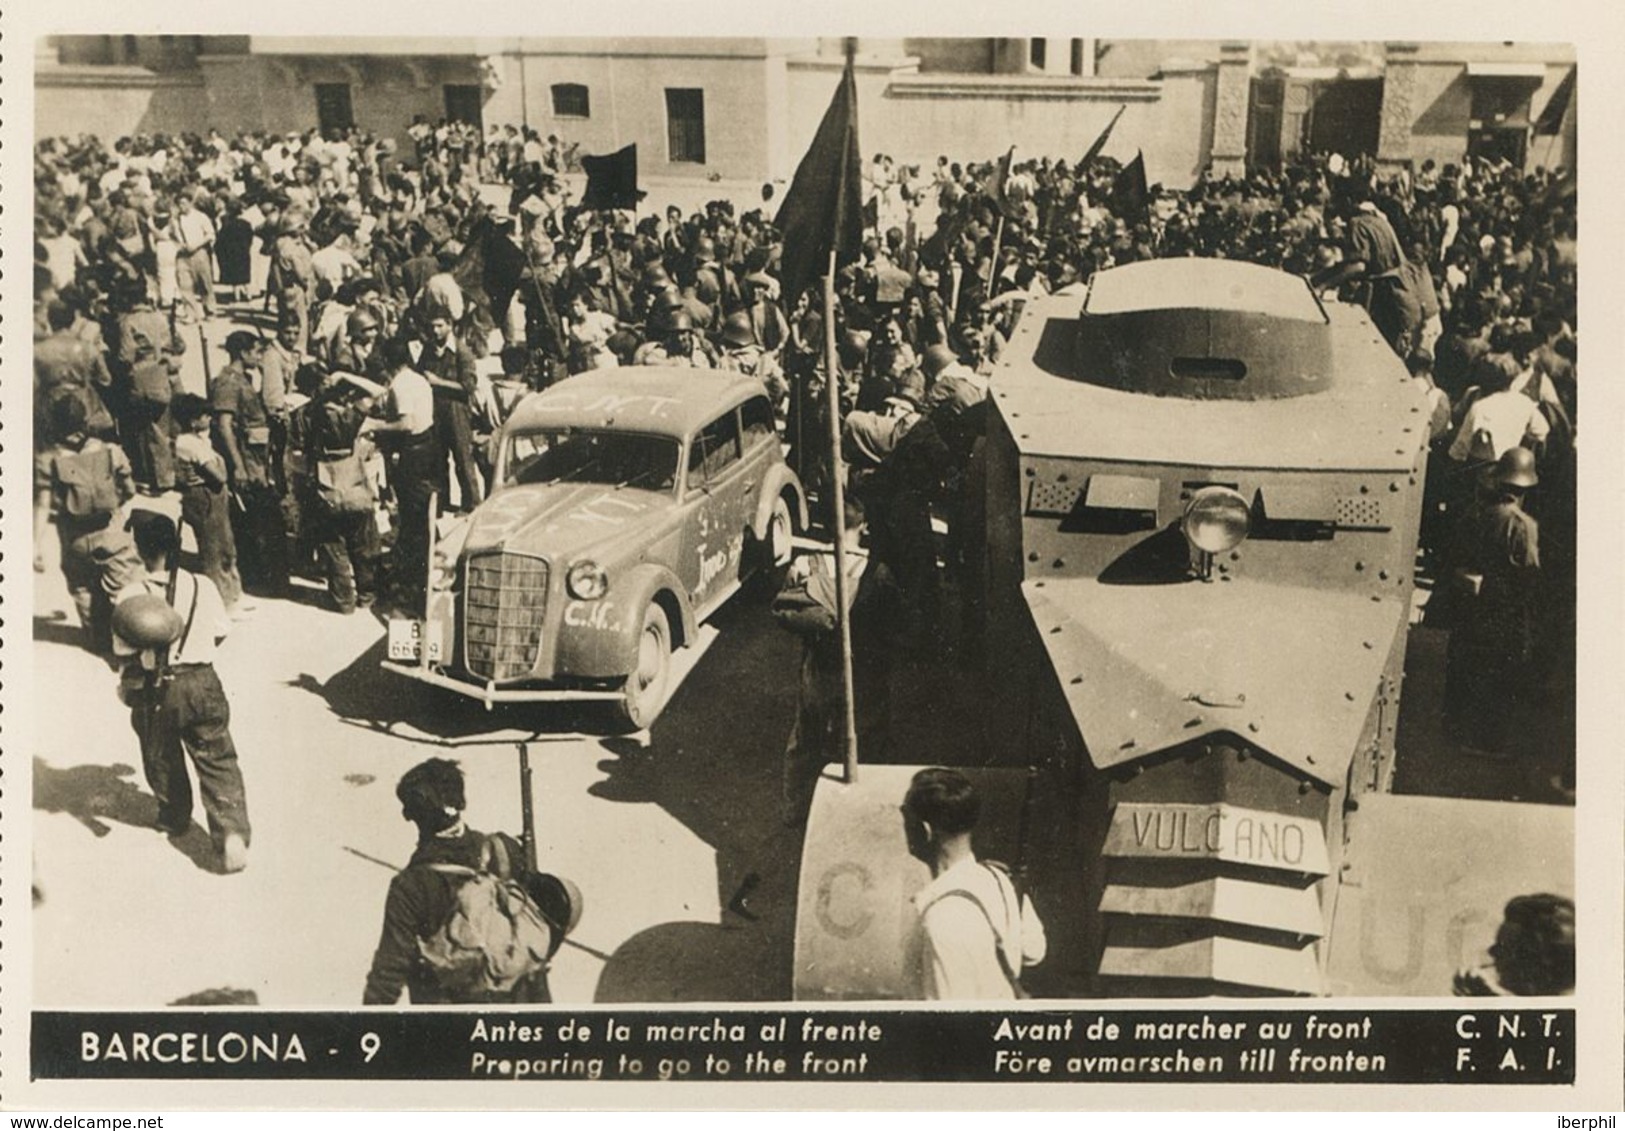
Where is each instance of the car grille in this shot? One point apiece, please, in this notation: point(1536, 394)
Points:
point(505, 605)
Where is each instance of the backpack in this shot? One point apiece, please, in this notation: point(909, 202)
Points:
point(86, 484)
point(343, 486)
point(495, 936)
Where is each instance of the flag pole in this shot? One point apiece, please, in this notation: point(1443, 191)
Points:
point(843, 604)
point(993, 266)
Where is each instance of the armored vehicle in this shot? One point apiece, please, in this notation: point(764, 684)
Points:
point(1203, 487)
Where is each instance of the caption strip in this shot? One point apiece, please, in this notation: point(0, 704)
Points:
point(1456, 1046)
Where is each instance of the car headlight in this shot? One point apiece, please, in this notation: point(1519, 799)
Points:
point(1216, 520)
point(587, 581)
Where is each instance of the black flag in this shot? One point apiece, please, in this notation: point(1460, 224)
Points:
point(1100, 142)
point(612, 181)
point(1551, 119)
point(1129, 196)
point(824, 207)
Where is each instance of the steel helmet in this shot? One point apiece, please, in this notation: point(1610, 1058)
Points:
point(146, 620)
point(1516, 468)
point(737, 331)
point(677, 320)
point(937, 358)
point(360, 321)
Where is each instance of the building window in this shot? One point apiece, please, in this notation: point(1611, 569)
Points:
point(1077, 57)
point(132, 50)
point(464, 103)
point(570, 101)
point(685, 125)
point(333, 108)
point(1037, 52)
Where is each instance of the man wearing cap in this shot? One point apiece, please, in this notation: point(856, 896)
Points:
point(243, 435)
point(177, 705)
point(1488, 676)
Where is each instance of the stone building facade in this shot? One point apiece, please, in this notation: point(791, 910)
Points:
point(744, 109)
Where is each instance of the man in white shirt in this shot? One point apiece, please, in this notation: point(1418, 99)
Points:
point(403, 423)
point(978, 932)
point(194, 262)
point(177, 706)
point(1502, 417)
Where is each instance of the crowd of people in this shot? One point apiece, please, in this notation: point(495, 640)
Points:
point(393, 301)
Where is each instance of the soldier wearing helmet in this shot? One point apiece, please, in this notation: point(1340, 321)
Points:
point(358, 352)
point(742, 353)
point(678, 344)
point(1488, 667)
point(167, 625)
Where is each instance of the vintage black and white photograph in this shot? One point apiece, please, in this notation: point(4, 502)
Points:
point(950, 522)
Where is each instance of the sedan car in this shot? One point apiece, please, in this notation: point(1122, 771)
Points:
point(627, 505)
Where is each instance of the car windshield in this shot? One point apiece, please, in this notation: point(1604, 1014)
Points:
point(591, 455)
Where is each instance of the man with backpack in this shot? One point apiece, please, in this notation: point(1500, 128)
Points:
point(83, 483)
point(464, 921)
point(978, 932)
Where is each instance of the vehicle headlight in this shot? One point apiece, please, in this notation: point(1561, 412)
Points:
point(1216, 520)
point(587, 581)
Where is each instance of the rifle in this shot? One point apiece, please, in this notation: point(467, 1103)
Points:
point(208, 366)
point(527, 837)
point(158, 675)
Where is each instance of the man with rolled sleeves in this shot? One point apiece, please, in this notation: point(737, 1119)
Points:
point(177, 705)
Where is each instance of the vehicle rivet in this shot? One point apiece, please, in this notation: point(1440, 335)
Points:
point(1077, 679)
point(1349, 695)
point(1253, 727)
point(1364, 490)
point(1054, 630)
point(1359, 566)
point(1015, 416)
point(1024, 435)
point(1127, 745)
point(1060, 479)
point(1393, 486)
point(1241, 755)
point(1366, 644)
point(1407, 431)
point(1033, 557)
point(1040, 585)
point(1382, 574)
point(1413, 410)
point(1058, 563)
point(1413, 481)
point(1303, 787)
point(1196, 722)
point(1309, 757)
point(1224, 567)
point(1224, 577)
point(1031, 473)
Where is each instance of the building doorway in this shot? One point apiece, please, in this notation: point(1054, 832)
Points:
point(465, 103)
point(333, 108)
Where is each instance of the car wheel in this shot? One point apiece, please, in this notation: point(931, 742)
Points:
point(781, 530)
point(649, 682)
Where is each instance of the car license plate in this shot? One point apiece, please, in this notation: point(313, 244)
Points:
point(406, 641)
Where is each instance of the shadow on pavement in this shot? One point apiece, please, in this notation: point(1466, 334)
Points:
point(687, 962)
point(94, 795)
point(59, 630)
point(364, 694)
point(714, 763)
